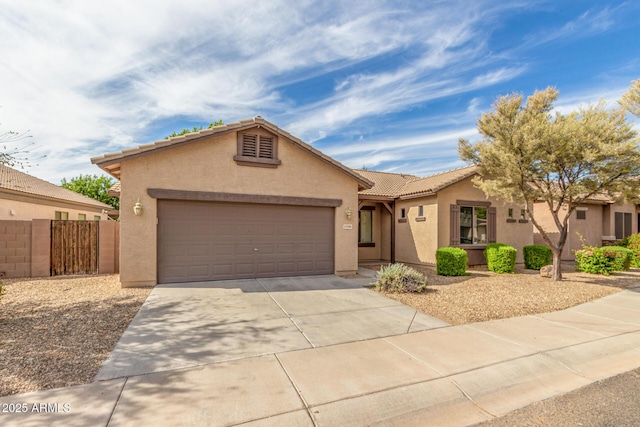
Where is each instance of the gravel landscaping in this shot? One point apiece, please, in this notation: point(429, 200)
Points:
point(57, 331)
point(484, 295)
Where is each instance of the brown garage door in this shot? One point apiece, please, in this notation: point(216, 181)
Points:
point(200, 241)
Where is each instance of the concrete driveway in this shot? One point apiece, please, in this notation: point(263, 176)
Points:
point(298, 352)
point(188, 325)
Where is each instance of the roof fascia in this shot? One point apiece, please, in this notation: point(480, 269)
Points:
point(48, 201)
point(418, 195)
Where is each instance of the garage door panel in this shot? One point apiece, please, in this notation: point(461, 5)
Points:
point(286, 248)
point(304, 248)
point(244, 268)
point(198, 249)
point(221, 249)
point(217, 241)
point(196, 270)
point(243, 249)
point(222, 270)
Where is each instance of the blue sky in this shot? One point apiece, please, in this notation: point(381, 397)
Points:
point(390, 85)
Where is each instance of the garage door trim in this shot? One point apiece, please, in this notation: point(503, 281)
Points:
point(212, 196)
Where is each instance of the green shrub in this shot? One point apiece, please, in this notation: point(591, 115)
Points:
point(622, 257)
point(536, 256)
point(400, 278)
point(595, 260)
point(632, 243)
point(451, 262)
point(501, 258)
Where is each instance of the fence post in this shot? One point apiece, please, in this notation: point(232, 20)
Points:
point(107, 247)
point(40, 247)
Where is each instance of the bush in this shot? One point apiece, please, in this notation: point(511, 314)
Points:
point(595, 260)
point(501, 258)
point(400, 278)
point(536, 256)
point(451, 262)
point(632, 243)
point(622, 257)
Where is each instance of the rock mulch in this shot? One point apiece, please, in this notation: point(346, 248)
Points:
point(484, 295)
point(57, 331)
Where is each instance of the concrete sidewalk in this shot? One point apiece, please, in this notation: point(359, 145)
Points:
point(458, 375)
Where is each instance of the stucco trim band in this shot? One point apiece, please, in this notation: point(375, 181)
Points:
point(210, 196)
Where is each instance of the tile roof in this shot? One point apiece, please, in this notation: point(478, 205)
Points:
point(401, 185)
point(434, 183)
point(13, 180)
point(115, 189)
point(110, 162)
point(386, 184)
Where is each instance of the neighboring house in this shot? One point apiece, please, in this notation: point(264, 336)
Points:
point(597, 222)
point(25, 197)
point(242, 200)
point(406, 219)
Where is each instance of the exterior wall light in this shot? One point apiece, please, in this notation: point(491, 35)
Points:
point(348, 213)
point(137, 208)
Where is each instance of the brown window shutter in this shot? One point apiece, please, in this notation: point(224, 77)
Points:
point(492, 225)
point(619, 225)
point(250, 145)
point(266, 147)
point(627, 225)
point(454, 225)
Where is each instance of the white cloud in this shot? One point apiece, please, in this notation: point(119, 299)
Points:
point(93, 77)
point(585, 25)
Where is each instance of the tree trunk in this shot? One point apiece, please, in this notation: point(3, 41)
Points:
point(556, 274)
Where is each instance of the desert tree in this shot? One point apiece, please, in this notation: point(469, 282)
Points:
point(631, 99)
point(531, 153)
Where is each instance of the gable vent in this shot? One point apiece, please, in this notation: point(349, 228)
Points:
point(249, 145)
point(266, 147)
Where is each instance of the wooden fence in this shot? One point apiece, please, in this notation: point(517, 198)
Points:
point(43, 247)
point(74, 247)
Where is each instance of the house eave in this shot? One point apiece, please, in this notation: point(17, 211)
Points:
point(417, 195)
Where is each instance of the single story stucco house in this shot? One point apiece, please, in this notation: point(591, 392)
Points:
point(599, 221)
point(248, 199)
point(406, 218)
point(242, 200)
point(24, 197)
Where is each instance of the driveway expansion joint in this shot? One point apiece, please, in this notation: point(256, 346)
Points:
point(115, 404)
point(298, 391)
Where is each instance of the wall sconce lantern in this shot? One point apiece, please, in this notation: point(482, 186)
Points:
point(137, 208)
point(348, 213)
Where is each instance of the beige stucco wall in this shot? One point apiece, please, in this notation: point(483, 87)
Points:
point(416, 241)
point(24, 211)
point(516, 234)
point(591, 228)
point(208, 165)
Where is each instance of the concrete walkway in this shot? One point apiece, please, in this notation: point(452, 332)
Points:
point(456, 375)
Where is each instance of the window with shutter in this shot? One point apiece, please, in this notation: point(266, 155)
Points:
point(257, 147)
point(623, 225)
point(472, 225)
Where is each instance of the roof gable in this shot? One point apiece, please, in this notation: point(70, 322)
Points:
point(386, 184)
point(433, 183)
point(111, 162)
point(395, 185)
point(20, 182)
